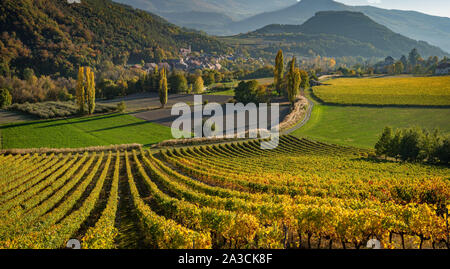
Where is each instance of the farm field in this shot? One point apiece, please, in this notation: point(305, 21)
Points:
point(103, 130)
point(362, 126)
point(303, 194)
point(383, 91)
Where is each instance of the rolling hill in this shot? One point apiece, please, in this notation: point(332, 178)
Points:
point(415, 25)
point(236, 9)
point(210, 16)
point(56, 37)
point(336, 34)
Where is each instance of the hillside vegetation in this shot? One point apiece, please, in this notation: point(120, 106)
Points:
point(417, 91)
point(335, 34)
point(412, 24)
point(56, 37)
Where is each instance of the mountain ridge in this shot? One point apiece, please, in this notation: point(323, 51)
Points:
point(339, 34)
point(412, 24)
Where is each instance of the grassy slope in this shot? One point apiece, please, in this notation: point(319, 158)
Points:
point(361, 126)
point(82, 132)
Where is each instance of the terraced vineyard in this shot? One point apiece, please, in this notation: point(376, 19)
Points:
point(303, 194)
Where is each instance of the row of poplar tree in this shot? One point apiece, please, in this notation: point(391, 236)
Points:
point(289, 83)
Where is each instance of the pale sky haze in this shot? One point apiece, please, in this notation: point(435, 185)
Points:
point(432, 7)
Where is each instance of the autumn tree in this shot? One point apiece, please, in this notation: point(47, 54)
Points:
point(90, 90)
point(198, 85)
point(294, 80)
point(5, 98)
point(163, 88)
point(80, 90)
point(85, 90)
point(279, 71)
point(305, 79)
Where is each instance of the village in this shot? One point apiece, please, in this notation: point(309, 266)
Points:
point(189, 61)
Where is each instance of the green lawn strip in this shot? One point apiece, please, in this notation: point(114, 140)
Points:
point(83, 132)
point(361, 126)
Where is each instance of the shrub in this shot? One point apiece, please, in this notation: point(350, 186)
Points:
point(121, 106)
point(5, 98)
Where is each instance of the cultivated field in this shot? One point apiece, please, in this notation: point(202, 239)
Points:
point(414, 91)
point(303, 194)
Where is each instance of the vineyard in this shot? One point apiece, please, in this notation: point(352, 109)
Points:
point(303, 194)
point(417, 91)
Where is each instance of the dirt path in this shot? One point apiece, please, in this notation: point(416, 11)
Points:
point(305, 119)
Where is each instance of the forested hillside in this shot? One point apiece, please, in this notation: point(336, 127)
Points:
point(337, 33)
point(412, 24)
point(52, 36)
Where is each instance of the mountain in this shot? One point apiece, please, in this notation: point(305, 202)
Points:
point(415, 25)
point(53, 36)
point(210, 16)
point(337, 34)
point(236, 9)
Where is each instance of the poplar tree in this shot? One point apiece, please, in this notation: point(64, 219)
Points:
point(163, 87)
point(80, 90)
point(85, 90)
point(294, 80)
point(279, 72)
point(90, 90)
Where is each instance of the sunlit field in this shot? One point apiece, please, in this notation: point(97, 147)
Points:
point(404, 90)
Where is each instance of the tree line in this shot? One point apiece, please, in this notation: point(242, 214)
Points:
point(414, 145)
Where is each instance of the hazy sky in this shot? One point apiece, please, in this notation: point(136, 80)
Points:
point(432, 7)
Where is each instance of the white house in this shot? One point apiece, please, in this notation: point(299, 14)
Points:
point(443, 69)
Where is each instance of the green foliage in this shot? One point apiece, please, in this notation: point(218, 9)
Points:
point(413, 145)
point(250, 92)
point(279, 72)
point(383, 145)
point(121, 106)
point(163, 88)
point(5, 98)
point(294, 80)
point(178, 82)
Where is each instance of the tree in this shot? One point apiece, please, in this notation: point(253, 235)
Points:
point(178, 82)
point(80, 90)
point(398, 67)
point(410, 145)
point(85, 90)
point(443, 151)
point(279, 72)
point(163, 87)
point(413, 59)
point(383, 145)
point(28, 74)
point(305, 79)
point(90, 91)
point(5, 98)
point(294, 80)
point(250, 92)
point(199, 87)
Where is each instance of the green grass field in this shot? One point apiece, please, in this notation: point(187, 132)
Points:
point(361, 126)
point(82, 132)
point(400, 90)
